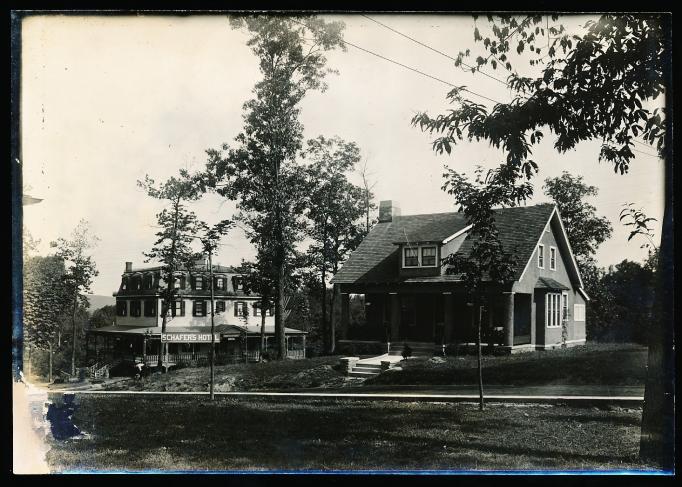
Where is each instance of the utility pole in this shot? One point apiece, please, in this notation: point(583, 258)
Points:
point(212, 358)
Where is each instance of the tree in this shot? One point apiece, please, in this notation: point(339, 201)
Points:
point(46, 299)
point(368, 196)
point(103, 316)
point(172, 247)
point(488, 264)
point(592, 86)
point(585, 230)
point(210, 239)
point(80, 271)
point(335, 209)
point(261, 172)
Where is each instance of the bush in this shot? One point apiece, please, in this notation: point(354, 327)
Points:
point(407, 351)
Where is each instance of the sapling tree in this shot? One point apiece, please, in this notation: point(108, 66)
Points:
point(80, 271)
point(488, 266)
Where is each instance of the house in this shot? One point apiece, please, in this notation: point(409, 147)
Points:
point(410, 297)
point(139, 314)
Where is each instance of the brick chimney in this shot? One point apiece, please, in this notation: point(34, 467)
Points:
point(129, 267)
point(387, 210)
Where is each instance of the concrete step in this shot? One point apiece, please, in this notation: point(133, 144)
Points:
point(366, 375)
point(367, 367)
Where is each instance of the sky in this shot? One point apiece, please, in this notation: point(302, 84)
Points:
point(107, 100)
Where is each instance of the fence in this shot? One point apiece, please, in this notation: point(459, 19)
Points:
point(202, 358)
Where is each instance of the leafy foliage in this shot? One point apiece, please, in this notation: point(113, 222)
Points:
point(335, 211)
point(585, 230)
point(592, 86)
point(633, 217)
point(261, 172)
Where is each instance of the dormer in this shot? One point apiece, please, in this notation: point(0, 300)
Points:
point(419, 258)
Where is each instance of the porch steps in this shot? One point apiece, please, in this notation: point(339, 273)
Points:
point(365, 370)
point(419, 349)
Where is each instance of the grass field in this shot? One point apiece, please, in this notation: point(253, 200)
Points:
point(192, 433)
point(591, 364)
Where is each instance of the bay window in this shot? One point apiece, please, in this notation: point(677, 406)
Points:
point(553, 310)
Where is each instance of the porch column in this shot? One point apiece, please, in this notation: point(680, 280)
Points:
point(303, 346)
point(448, 316)
point(345, 313)
point(395, 317)
point(508, 318)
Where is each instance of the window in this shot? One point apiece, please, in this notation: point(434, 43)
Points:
point(411, 257)
point(178, 308)
point(150, 307)
point(428, 256)
point(124, 285)
point(220, 283)
point(256, 310)
point(578, 312)
point(552, 258)
point(198, 283)
point(148, 280)
point(553, 310)
point(240, 308)
point(541, 256)
point(121, 308)
point(176, 283)
point(237, 283)
point(219, 306)
point(137, 283)
point(199, 308)
point(135, 308)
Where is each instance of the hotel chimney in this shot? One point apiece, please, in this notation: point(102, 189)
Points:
point(387, 210)
point(129, 267)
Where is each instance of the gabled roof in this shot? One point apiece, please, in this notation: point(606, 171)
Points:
point(376, 258)
point(549, 283)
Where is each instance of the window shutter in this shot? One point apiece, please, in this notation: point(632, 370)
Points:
point(194, 308)
point(203, 308)
point(182, 308)
point(236, 303)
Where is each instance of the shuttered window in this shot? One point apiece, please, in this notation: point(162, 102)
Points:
point(240, 308)
point(578, 312)
point(199, 308)
point(136, 308)
point(121, 308)
point(150, 307)
point(220, 306)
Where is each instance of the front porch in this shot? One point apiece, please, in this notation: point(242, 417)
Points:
point(106, 347)
point(440, 318)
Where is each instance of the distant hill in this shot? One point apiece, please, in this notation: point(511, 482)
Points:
point(99, 301)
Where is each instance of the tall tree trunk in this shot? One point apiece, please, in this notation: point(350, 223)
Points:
point(279, 310)
point(323, 315)
point(28, 360)
point(73, 330)
point(263, 311)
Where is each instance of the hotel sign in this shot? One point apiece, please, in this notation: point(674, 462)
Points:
point(189, 337)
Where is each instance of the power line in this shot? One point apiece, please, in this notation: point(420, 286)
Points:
point(436, 50)
point(405, 66)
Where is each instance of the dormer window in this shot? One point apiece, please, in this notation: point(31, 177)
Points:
point(420, 256)
point(428, 256)
point(411, 257)
point(552, 258)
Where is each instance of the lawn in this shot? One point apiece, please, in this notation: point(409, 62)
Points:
point(591, 364)
point(192, 433)
point(285, 374)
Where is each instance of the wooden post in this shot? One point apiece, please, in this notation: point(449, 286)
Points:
point(508, 319)
point(395, 317)
point(212, 351)
point(303, 346)
point(345, 312)
point(448, 317)
point(144, 350)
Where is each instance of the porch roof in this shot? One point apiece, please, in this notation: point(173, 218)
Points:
point(549, 283)
point(224, 330)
